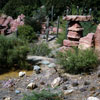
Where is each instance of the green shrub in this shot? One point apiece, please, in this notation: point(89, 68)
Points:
point(41, 49)
point(77, 61)
point(43, 95)
point(88, 27)
point(26, 33)
point(13, 53)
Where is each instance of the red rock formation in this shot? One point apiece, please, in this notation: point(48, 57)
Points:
point(77, 18)
point(69, 43)
point(97, 38)
point(86, 42)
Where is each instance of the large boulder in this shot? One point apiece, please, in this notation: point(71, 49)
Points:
point(97, 38)
point(86, 42)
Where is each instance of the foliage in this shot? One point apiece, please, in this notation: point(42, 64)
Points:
point(26, 33)
point(89, 27)
point(33, 23)
point(23, 6)
point(43, 95)
point(41, 49)
point(77, 61)
point(13, 53)
point(62, 35)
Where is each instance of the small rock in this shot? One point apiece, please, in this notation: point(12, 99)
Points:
point(56, 82)
point(7, 98)
point(31, 86)
point(51, 65)
point(37, 69)
point(64, 87)
point(65, 79)
point(83, 89)
point(86, 83)
point(45, 62)
point(75, 83)
point(21, 74)
point(67, 92)
point(93, 98)
point(42, 83)
point(99, 74)
point(17, 91)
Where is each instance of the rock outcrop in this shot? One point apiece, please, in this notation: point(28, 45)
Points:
point(97, 38)
point(87, 41)
point(9, 25)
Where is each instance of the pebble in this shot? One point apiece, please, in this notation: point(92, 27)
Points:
point(17, 91)
point(64, 87)
point(83, 89)
point(67, 92)
point(93, 98)
point(99, 74)
point(86, 83)
point(75, 83)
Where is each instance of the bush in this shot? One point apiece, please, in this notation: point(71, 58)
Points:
point(77, 61)
point(13, 53)
point(43, 95)
point(26, 33)
point(41, 49)
point(88, 27)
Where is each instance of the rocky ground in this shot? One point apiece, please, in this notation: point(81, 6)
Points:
point(48, 75)
point(53, 78)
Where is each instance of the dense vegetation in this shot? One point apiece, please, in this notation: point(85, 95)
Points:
point(77, 61)
point(16, 7)
point(26, 33)
point(13, 53)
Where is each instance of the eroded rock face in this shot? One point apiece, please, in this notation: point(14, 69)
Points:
point(9, 25)
point(70, 43)
point(97, 38)
point(78, 18)
point(74, 34)
point(86, 42)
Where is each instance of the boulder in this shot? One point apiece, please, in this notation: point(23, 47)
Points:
point(78, 18)
point(97, 38)
point(70, 43)
point(86, 42)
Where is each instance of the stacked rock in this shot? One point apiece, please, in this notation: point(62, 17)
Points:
point(75, 30)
